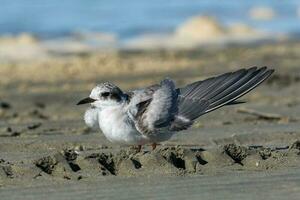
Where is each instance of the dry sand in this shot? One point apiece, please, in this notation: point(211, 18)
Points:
point(247, 151)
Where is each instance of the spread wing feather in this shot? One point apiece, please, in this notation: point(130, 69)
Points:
point(162, 107)
point(205, 96)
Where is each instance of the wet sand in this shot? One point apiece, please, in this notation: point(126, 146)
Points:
point(245, 151)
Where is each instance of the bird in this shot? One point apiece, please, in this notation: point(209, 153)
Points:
point(153, 114)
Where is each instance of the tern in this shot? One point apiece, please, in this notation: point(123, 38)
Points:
point(155, 113)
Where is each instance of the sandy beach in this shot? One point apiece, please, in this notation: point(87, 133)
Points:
point(246, 151)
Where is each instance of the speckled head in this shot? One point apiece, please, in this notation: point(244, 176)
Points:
point(104, 94)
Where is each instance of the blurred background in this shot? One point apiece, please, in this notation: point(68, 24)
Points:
point(52, 48)
point(80, 26)
point(134, 18)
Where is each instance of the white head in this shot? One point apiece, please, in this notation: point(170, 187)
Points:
point(103, 95)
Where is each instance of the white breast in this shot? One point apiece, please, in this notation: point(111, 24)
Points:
point(91, 118)
point(117, 127)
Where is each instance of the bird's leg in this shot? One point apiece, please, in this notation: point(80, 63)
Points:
point(139, 148)
point(153, 146)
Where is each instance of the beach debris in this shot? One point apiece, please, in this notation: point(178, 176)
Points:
point(40, 105)
point(37, 113)
point(265, 153)
point(10, 132)
point(46, 164)
point(34, 126)
point(4, 105)
point(295, 145)
point(70, 154)
point(265, 115)
point(6, 169)
point(236, 152)
point(58, 165)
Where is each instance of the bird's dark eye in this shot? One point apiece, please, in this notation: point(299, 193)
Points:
point(105, 94)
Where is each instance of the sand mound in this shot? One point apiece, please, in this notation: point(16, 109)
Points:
point(21, 47)
point(178, 161)
point(197, 31)
point(200, 28)
point(26, 47)
point(262, 13)
point(22, 39)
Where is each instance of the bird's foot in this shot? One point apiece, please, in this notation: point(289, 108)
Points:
point(153, 146)
point(139, 148)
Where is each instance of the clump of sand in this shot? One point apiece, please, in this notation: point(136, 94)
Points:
point(21, 47)
point(22, 39)
point(27, 47)
point(70, 164)
point(197, 31)
point(200, 28)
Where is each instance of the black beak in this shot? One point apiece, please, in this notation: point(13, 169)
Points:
point(86, 100)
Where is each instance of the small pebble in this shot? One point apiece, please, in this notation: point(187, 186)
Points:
point(4, 105)
point(34, 126)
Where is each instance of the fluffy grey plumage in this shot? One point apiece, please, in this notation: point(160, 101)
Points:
point(154, 113)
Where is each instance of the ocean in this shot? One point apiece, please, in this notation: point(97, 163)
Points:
point(129, 19)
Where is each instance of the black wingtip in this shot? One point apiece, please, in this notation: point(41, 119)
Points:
point(269, 71)
point(235, 102)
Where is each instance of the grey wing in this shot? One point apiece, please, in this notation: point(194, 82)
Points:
point(155, 107)
point(205, 96)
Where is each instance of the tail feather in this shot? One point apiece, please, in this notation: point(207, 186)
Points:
point(251, 80)
point(205, 96)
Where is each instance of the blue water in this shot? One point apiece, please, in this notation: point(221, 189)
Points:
point(55, 18)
